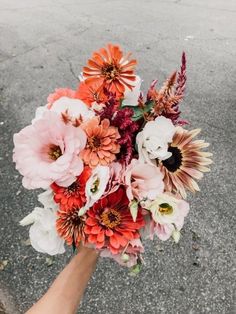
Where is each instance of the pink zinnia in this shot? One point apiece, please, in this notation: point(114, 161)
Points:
point(47, 151)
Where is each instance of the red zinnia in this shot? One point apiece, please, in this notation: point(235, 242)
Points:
point(110, 224)
point(73, 195)
point(70, 226)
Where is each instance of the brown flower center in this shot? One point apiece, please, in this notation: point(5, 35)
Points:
point(95, 186)
point(111, 218)
point(73, 187)
point(173, 163)
point(54, 152)
point(94, 142)
point(110, 71)
point(165, 209)
point(70, 225)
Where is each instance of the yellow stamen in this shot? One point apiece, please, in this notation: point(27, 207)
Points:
point(54, 152)
point(165, 209)
point(111, 218)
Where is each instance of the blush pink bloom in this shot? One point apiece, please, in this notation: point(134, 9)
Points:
point(47, 151)
point(115, 179)
point(143, 181)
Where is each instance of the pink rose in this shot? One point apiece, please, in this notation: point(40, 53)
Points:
point(47, 151)
point(143, 181)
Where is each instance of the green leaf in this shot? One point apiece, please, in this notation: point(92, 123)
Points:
point(139, 112)
point(135, 270)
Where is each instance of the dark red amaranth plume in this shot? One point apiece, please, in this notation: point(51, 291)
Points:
point(128, 130)
point(181, 78)
point(122, 119)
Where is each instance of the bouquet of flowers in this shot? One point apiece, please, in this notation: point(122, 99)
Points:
point(115, 164)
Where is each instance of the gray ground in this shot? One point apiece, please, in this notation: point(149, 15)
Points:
point(43, 45)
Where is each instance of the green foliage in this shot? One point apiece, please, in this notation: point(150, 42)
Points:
point(138, 111)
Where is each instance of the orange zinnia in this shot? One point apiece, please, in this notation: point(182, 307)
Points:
point(110, 69)
point(91, 93)
point(102, 145)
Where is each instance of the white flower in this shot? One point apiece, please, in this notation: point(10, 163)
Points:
point(31, 218)
point(43, 234)
point(166, 209)
point(153, 140)
point(95, 186)
point(74, 108)
point(131, 97)
point(46, 199)
point(168, 213)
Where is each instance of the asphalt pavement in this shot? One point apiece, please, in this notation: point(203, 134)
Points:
point(43, 45)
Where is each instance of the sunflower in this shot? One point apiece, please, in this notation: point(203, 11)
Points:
point(110, 224)
point(186, 164)
point(74, 194)
point(110, 69)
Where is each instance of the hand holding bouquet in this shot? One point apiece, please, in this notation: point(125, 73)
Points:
point(115, 164)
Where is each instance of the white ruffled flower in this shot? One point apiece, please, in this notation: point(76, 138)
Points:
point(131, 96)
point(74, 108)
point(95, 186)
point(43, 234)
point(153, 140)
point(46, 199)
point(167, 209)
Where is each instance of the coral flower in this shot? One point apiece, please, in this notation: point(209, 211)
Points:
point(110, 69)
point(58, 93)
point(186, 163)
point(73, 195)
point(102, 145)
point(110, 224)
point(70, 226)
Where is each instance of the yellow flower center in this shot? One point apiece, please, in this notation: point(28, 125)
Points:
point(165, 209)
point(111, 218)
point(54, 152)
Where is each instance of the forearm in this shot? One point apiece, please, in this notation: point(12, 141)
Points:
point(67, 290)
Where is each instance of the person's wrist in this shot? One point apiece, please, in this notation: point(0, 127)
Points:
point(88, 253)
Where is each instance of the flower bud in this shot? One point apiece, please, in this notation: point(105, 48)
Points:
point(125, 257)
point(133, 206)
point(176, 235)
